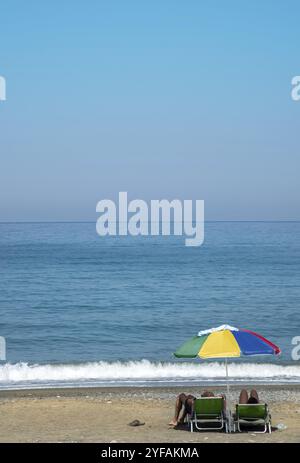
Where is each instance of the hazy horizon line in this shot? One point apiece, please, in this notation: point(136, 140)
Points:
point(91, 221)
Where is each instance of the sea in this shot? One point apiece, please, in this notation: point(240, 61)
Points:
point(77, 309)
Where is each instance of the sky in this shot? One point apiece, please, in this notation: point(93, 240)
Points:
point(162, 99)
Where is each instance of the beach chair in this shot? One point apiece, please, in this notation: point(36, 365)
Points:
point(208, 411)
point(252, 415)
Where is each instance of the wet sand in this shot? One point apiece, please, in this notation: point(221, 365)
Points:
point(103, 414)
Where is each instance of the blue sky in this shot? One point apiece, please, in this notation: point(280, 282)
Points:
point(163, 99)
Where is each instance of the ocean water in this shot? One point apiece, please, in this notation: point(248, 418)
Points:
point(77, 309)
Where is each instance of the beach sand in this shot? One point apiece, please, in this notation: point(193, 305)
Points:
point(103, 414)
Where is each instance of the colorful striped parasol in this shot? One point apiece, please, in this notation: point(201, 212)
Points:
point(226, 342)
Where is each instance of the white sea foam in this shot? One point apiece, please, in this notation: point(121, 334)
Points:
point(144, 371)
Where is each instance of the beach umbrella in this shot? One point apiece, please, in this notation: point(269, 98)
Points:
point(226, 342)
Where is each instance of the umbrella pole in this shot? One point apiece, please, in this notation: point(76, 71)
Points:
point(227, 397)
point(226, 365)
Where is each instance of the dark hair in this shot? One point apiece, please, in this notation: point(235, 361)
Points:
point(252, 400)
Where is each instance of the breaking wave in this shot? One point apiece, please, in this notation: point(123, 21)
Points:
point(22, 375)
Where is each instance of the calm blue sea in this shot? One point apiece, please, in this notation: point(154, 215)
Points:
point(77, 309)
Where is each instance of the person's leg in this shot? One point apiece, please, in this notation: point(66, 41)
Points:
point(243, 397)
point(188, 408)
point(254, 394)
point(180, 401)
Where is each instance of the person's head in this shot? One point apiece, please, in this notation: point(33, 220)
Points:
point(252, 400)
point(207, 394)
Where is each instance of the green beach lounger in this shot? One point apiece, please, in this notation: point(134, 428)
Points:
point(252, 415)
point(208, 411)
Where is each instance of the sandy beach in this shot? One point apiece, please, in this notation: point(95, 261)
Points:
point(103, 414)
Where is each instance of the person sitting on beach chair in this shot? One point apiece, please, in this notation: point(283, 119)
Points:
point(185, 403)
point(251, 412)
